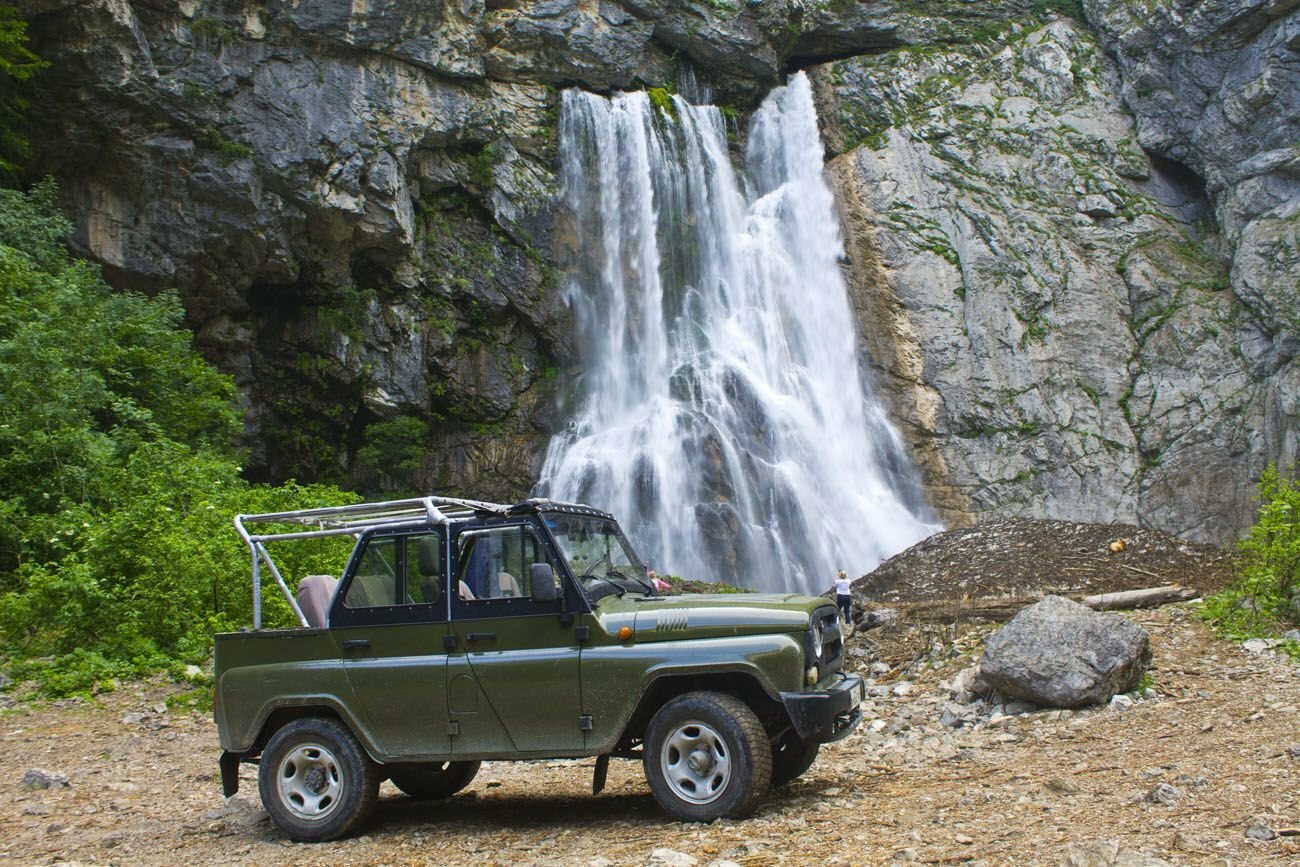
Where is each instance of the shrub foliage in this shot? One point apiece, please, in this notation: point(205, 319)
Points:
point(118, 477)
point(1266, 598)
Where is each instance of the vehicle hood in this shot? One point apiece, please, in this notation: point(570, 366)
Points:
point(698, 615)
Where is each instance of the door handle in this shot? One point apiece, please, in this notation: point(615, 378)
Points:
point(355, 643)
point(481, 636)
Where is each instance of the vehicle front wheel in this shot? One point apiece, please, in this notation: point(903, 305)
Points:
point(791, 756)
point(706, 757)
point(428, 780)
point(316, 781)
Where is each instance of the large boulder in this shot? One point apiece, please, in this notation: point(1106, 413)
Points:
point(1057, 653)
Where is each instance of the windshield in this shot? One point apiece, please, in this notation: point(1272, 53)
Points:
point(599, 555)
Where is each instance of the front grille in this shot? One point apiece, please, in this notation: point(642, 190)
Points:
point(832, 657)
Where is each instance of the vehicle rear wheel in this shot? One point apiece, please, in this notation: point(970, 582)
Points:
point(316, 781)
point(707, 756)
point(427, 780)
point(791, 756)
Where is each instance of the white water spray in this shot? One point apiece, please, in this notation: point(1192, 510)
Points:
point(720, 414)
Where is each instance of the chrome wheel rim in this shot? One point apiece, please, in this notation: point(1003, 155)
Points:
point(696, 763)
point(309, 782)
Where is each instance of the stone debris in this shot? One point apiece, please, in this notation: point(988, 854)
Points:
point(1108, 853)
point(1260, 828)
point(39, 778)
point(1164, 794)
point(663, 857)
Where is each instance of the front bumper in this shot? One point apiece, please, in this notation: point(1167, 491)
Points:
point(827, 714)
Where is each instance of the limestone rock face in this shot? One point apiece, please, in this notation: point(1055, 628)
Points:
point(1057, 653)
point(356, 199)
point(1045, 306)
point(1070, 314)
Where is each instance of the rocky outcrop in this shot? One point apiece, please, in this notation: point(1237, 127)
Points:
point(355, 200)
point(1043, 303)
point(1070, 315)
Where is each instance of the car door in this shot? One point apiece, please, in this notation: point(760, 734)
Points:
point(389, 621)
point(514, 668)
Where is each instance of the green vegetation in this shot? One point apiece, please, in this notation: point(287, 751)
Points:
point(118, 479)
point(227, 150)
point(1068, 8)
point(662, 99)
point(1266, 598)
point(17, 65)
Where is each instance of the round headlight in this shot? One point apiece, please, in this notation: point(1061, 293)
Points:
point(817, 639)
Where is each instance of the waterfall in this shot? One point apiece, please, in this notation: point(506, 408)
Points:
point(720, 413)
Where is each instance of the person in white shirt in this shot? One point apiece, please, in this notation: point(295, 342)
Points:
point(843, 596)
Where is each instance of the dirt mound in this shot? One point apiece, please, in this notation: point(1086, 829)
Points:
point(1020, 557)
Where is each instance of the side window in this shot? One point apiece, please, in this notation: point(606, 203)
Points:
point(497, 563)
point(397, 570)
point(424, 568)
point(376, 580)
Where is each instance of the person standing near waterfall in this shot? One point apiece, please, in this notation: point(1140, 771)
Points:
point(844, 596)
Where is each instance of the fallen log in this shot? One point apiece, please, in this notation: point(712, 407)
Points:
point(999, 609)
point(1150, 597)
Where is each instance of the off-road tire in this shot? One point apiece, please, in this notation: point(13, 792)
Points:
point(316, 781)
point(791, 756)
point(706, 756)
point(428, 780)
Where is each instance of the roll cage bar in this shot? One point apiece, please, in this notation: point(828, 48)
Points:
point(357, 518)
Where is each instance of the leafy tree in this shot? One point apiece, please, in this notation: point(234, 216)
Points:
point(118, 478)
point(17, 65)
point(1267, 596)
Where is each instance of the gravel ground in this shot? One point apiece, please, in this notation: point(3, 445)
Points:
point(1183, 775)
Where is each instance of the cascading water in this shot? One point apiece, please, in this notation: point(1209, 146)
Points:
point(721, 414)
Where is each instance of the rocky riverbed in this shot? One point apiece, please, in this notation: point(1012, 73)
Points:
point(1200, 768)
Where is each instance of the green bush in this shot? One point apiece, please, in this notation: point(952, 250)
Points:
point(1266, 598)
point(118, 478)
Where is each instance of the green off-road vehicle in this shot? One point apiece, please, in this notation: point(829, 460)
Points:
point(462, 631)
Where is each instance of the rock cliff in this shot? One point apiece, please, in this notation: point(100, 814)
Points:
point(1072, 243)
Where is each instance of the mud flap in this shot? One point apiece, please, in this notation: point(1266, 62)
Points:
point(229, 764)
point(602, 771)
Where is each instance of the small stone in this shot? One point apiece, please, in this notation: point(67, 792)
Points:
point(193, 672)
point(492, 784)
point(37, 810)
point(902, 688)
point(964, 839)
point(602, 861)
point(1259, 829)
point(1164, 794)
point(134, 718)
point(1062, 786)
point(1120, 702)
point(879, 668)
point(160, 707)
point(663, 857)
point(54, 828)
point(1293, 751)
point(38, 778)
point(907, 855)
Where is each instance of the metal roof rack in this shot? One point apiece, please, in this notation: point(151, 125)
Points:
point(341, 521)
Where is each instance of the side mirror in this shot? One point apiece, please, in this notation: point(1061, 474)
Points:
point(543, 583)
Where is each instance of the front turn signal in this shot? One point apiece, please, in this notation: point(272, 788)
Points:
point(625, 632)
